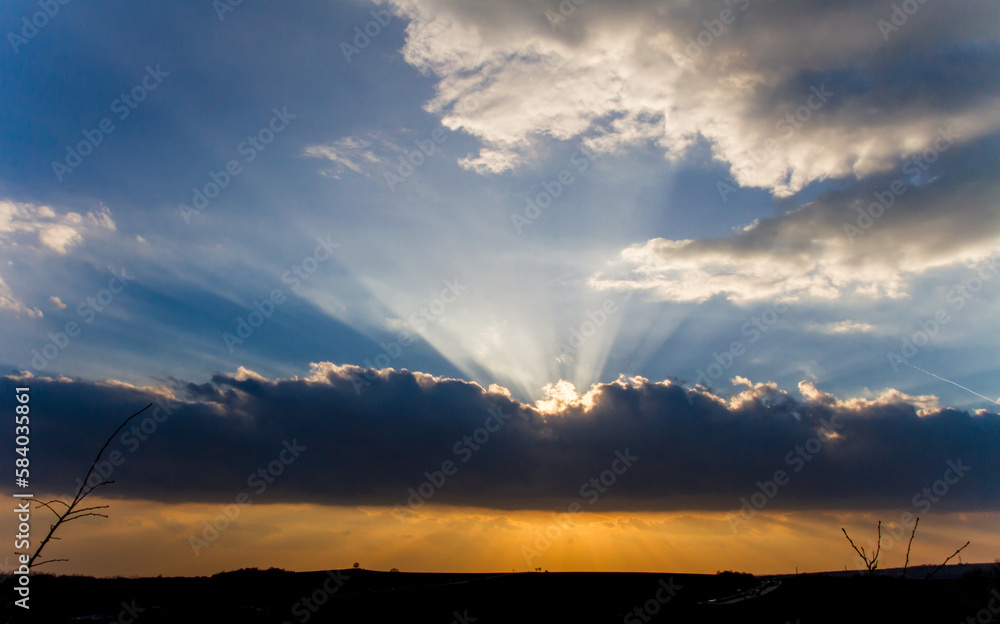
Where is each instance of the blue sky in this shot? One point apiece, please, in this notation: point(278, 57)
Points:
point(683, 159)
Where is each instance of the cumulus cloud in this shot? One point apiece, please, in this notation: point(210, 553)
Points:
point(785, 97)
point(22, 223)
point(370, 435)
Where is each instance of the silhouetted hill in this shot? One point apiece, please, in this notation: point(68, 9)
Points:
point(276, 596)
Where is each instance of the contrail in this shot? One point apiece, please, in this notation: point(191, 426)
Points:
point(951, 382)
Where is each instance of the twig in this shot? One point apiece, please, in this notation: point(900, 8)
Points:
point(872, 563)
point(861, 554)
point(946, 561)
point(49, 506)
point(80, 511)
point(879, 548)
point(48, 561)
point(70, 514)
point(83, 516)
point(909, 545)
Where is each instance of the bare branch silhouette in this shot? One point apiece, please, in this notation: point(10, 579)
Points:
point(49, 506)
point(84, 516)
point(41, 563)
point(947, 560)
point(80, 511)
point(879, 548)
point(870, 563)
point(72, 513)
point(860, 552)
point(908, 546)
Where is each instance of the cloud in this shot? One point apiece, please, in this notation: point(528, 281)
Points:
point(57, 302)
point(615, 75)
point(846, 327)
point(352, 153)
point(23, 226)
point(696, 448)
point(21, 223)
point(59, 237)
point(9, 302)
point(819, 252)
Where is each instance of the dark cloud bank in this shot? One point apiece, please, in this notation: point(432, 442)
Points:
point(369, 447)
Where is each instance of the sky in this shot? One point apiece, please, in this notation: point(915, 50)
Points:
point(469, 286)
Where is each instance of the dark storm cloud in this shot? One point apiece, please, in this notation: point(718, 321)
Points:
point(368, 447)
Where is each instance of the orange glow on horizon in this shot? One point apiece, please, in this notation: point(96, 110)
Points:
point(143, 538)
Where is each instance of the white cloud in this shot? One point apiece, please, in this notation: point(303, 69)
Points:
point(847, 327)
point(25, 225)
point(59, 237)
point(806, 254)
point(9, 302)
point(20, 223)
point(925, 404)
point(346, 153)
point(619, 74)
